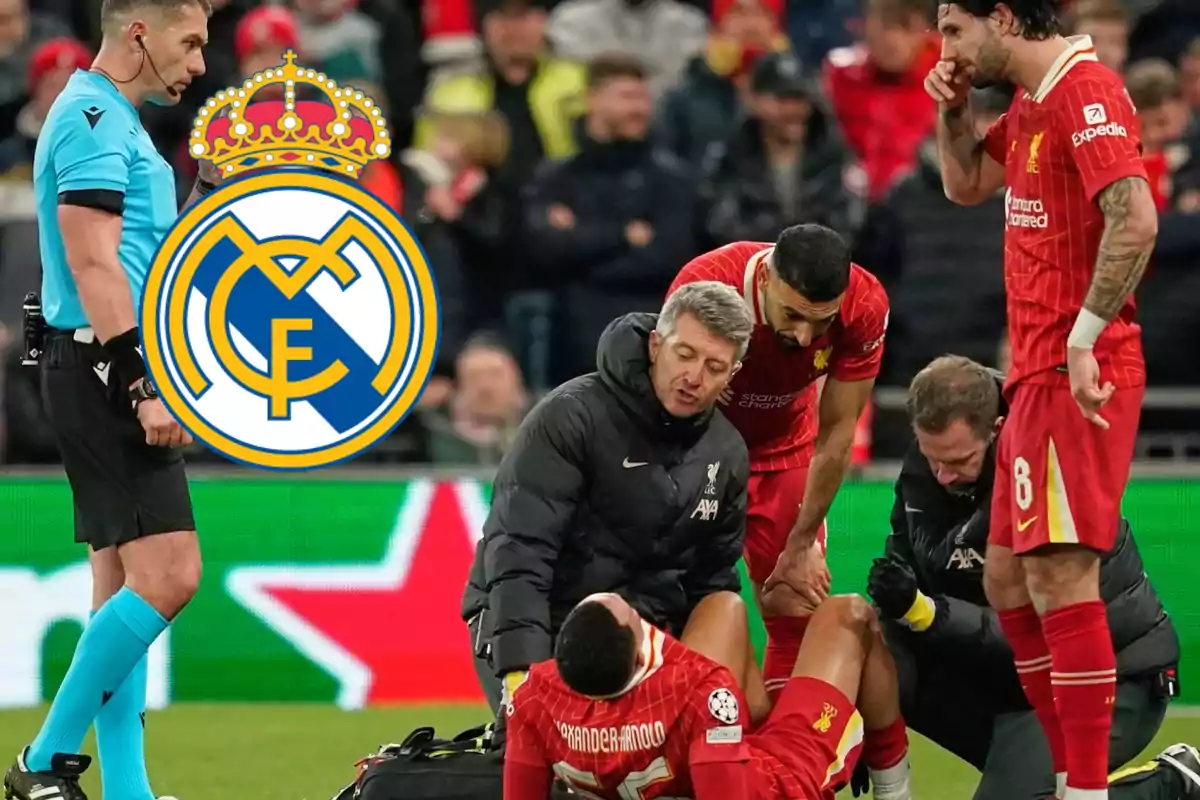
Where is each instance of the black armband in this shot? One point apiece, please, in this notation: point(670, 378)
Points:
point(100, 199)
point(125, 350)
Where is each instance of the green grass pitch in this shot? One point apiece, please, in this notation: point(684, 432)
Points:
point(307, 752)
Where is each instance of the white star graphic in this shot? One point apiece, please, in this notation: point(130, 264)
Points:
point(33, 602)
point(249, 586)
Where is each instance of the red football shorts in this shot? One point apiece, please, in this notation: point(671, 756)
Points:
point(815, 734)
point(773, 504)
point(1059, 478)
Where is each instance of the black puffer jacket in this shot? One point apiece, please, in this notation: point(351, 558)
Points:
point(593, 269)
point(943, 537)
point(605, 492)
point(930, 253)
point(738, 200)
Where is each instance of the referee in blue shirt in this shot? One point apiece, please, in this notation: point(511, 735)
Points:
point(105, 200)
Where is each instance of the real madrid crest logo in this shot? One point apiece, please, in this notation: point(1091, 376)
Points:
point(290, 320)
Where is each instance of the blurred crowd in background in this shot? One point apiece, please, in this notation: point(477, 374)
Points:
point(562, 160)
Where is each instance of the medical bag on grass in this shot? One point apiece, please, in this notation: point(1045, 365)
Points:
point(423, 767)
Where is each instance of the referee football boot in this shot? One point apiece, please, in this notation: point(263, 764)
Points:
point(61, 782)
point(1185, 760)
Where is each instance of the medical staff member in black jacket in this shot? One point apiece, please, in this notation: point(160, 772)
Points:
point(624, 480)
point(958, 685)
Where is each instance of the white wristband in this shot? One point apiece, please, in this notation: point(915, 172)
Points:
point(1087, 330)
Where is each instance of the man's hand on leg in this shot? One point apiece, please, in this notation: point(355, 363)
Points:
point(786, 620)
point(782, 600)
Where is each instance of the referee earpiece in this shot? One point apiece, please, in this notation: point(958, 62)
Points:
point(137, 37)
point(146, 58)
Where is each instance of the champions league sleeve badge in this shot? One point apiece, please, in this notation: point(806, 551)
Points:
point(290, 318)
point(723, 705)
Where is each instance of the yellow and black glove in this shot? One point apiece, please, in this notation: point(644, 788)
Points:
point(893, 586)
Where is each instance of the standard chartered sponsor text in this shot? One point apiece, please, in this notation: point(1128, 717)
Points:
point(1027, 213)
point(625, 739)
point(765, 402)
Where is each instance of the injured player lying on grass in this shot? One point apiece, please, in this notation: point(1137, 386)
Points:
point(623, 706)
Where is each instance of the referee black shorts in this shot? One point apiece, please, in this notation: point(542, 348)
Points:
point(124, 489)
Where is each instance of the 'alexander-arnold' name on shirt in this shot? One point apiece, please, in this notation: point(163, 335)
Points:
point(625, 739)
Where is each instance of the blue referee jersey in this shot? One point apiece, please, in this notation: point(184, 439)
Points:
point(93, 151)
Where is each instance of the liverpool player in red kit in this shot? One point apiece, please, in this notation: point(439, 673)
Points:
point(817, 316)
point(1080, 227)
point(625, 711)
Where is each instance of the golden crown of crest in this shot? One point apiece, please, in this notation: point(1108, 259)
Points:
point(341, 134)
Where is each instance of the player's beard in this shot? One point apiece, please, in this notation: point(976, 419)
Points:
point(787, 341)
point(992, 68)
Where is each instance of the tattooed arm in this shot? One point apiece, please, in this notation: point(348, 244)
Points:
point(969, 174)
point(1130, 229)
point(1113, 173)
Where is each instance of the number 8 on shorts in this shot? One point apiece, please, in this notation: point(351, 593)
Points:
point(1059, 478)
point(1022, 488)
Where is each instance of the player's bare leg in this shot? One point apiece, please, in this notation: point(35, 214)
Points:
point(844, 647)
point(885, 743)
point(108, 576)
point(719, 629)
point(1064, 584)
point(164, 570)
point(1005, 583)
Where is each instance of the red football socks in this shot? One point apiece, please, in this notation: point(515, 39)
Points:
point(1085, 678)
point(886, 747)
point(784, 635)
point(1023, 629)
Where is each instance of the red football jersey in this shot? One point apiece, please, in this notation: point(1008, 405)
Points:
point(773, 396)
point(1061, 147)
point(884, 117)
point(636, 744)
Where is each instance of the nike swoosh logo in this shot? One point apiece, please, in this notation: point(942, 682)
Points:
point(101, 371)
point(912, 510)
point(627, 464)
point(1023, 524)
